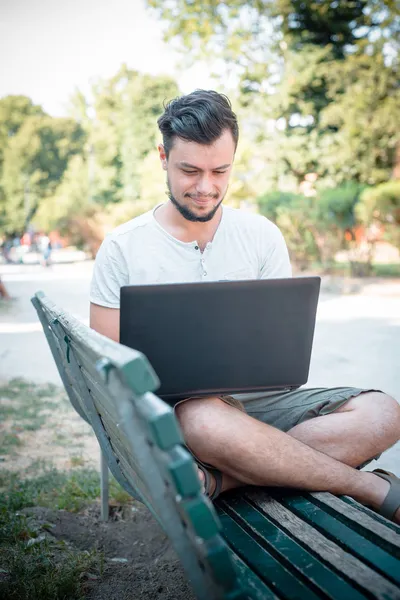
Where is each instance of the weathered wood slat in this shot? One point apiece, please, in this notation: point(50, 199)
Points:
point(291, 553)
point(378, 532)
point(349, 539)
point(101, 396)
point(331, 553)
point(95, 343)
point(266, 566)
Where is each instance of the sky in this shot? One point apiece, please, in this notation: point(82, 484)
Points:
point(49, 48)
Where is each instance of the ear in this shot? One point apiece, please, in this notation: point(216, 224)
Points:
point(163, 156)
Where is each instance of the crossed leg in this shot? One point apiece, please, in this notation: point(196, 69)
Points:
point(317, 455)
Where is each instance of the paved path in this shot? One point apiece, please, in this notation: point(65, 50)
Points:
point(357, 338)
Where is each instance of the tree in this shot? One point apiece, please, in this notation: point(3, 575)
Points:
point(380, 206)
point(288, 52)
point(13, 112)
point(123, 130)
point(35, 160)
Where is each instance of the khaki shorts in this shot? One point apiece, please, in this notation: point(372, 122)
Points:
point(284, 410)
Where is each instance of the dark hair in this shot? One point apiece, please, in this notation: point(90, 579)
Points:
point(200, 116)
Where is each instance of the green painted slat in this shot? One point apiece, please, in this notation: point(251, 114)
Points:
point(218, 558)
point(201, 516)
point(235, 595)
point(253, 587)
point(183, 472)
point(140, 375)
point(272, 537)
point(389, 524)
point(266, 566)
point(161, 421)
point(345, 537)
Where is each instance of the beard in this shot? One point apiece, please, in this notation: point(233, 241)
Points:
point(189, 214)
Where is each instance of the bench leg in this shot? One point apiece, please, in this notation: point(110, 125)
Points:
point(104, 487)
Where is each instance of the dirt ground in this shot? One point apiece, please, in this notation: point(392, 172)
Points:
point(140, 563)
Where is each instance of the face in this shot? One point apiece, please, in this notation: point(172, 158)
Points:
point(198, 175)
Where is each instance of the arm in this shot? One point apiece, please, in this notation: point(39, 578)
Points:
point(109, 275)
point(105, 320)
point(274, 252)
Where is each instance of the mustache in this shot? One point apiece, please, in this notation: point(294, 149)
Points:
point(197, 197)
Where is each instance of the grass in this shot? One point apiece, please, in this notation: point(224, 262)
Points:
point(59, 490)
point(32, 566)
point(9, 442)
point(27, 406)
point(36, 568)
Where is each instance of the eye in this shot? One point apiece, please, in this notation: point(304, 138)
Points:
point(219, 172)
point(189, 172)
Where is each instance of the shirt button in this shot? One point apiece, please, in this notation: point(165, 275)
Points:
point(196, 247)
point(205, 273)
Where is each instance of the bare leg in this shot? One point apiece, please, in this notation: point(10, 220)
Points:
point(251, 452)
point(359, 430)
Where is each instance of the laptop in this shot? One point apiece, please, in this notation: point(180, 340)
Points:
point(223, 337)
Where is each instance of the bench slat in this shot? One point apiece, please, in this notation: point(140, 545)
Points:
point(297, 559)
point(383, 532)
point(263, 563)
point(159, 417)
point(254, 587)
point(344, 535)
point(344, 563)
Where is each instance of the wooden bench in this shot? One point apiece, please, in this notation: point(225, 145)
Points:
point(253, 543)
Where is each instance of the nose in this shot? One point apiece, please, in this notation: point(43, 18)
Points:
point(204, 185)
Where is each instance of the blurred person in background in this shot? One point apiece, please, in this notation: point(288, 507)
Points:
point(44, 246)
point(4, 295)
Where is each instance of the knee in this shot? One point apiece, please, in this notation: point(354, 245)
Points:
point(198, 419)
point(382, 410)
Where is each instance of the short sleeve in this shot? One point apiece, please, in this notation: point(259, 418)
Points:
point(275, 256)
point(109, 275)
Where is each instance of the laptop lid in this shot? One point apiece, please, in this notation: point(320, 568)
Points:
point(223, 337)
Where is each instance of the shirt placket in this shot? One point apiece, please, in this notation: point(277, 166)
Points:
point(203, 261)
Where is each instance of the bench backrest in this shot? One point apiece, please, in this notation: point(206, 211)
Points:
point(111, 386)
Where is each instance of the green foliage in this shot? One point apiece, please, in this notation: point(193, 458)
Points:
point(314, 227)
point(13, 112)
point(35, 160)
point(272, 203)
point(67, 173)
point(380, 205)
point(327, 74)
point(335, 206)
point(295, 216)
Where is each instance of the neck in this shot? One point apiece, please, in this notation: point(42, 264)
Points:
point(187, 231)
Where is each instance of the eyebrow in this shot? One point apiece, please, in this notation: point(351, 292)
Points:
point(189, 166)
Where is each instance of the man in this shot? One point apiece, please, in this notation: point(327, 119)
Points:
point(310, 439)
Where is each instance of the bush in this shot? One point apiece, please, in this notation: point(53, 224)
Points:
point(270, 203)
point(380, 205)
